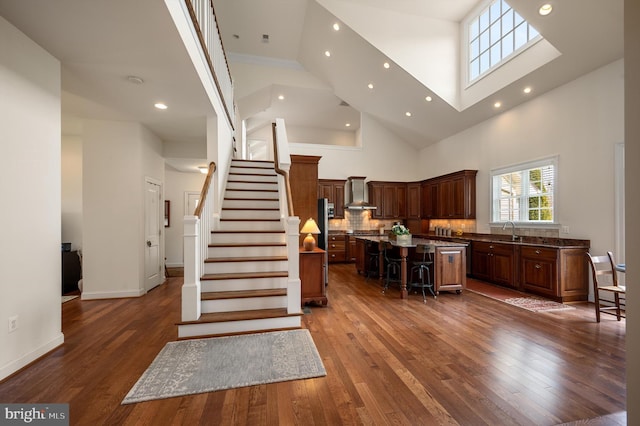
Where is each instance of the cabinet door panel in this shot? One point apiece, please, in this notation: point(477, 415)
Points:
point(503, 269)
point(413, 201)
point(389, 205)
point(539, 276)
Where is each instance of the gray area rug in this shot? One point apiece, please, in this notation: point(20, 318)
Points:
point(204, 365)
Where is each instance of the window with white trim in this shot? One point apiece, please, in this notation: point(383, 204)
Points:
point(524, 193)
point(495, 34)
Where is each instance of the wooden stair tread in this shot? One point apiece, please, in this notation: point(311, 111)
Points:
point(248, 245)
point(247, 259)
point(252, 189)
point(251, 208)
point(244, 275)
point(241, 316)
point(242, 294)
point(248, 231)
point(269, 174)
point(251, 220)
point(251, 199)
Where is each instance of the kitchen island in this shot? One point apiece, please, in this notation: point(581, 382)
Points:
point(449, 263)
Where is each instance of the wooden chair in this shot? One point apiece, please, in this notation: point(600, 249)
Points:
point(602, 266)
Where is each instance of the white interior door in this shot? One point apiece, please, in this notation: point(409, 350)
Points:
point(153, 214)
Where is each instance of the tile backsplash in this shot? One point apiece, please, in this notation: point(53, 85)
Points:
point(358, 220)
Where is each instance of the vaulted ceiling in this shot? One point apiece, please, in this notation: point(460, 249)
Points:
point(101, 43)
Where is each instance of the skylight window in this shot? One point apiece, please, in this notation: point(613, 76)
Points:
point(495, 35)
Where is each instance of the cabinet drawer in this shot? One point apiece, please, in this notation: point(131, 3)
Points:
point(538, 252)
point(337, 256)
point(336, 238)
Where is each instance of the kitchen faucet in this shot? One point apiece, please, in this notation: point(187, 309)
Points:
point(514, 237)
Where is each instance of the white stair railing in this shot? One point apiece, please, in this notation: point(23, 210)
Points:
point(197, 229)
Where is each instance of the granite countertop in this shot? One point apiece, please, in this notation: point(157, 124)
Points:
point(414, 241)
point(522, 241)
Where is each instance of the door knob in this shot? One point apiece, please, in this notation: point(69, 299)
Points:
point(148, 243)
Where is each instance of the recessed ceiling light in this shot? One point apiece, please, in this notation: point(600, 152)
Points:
point(370, 85)
point(497, 105)
point(428, 99)
point(281, 97)
point(160, 105)
point(545, 9)
point(347, 125)
point(327, 53)
point(527, 90)
point(386, 65)
point(336, 26)
point(408, 113)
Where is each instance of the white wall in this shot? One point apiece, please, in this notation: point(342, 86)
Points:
point(176, 184)
point(580, 121)
point(30, 186)
point(72, 190)
point(117, 156)
point(382, 156)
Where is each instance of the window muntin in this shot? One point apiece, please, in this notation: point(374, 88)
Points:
point(494, 35)
point(525, 193)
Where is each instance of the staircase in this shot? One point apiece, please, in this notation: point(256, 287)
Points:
point(245, 277)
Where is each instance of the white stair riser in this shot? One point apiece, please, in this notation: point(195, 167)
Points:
point(230, 193)
point(246, 251)
point(250, 214)
point(230, 267)
point(248, 238)
point(252, 178)
point(243, 284)
point(206, 329)
point(252, 165)
point(250, 204)
point(255, 225)
point(244, 304)
point(254, 186)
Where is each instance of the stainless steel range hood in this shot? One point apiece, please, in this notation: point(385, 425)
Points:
point(356, 194)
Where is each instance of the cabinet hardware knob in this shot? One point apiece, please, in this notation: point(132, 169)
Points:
point(537, 251)
point(538, 266)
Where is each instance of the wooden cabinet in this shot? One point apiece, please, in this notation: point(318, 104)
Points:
point(557, 273)
point(494, 262)
point(333, 190)
point(312, 270)
point(451, 196)
point(414, 197)
point(360, 254)
point(303, 178)
point(429, 200)
point(450, 267)
point(390, 199)
point(351, 248)
point(337, 249)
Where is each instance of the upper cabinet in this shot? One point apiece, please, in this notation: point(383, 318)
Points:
point(333, 190)
point(451, 196)
point(389, 198)
point(414, 198)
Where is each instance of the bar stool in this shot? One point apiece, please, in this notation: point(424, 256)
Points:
point(422, 268)
point(373, 252)
point(392, 265)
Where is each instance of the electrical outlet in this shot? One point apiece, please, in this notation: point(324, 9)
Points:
point(13, 324)
point(565, 229)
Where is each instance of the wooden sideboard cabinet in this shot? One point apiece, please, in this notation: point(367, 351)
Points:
point(312, 270)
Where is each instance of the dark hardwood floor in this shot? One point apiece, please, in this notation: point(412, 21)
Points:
point(461, 359)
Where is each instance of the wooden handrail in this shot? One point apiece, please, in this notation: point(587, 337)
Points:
point(205, 189)
point(284, 173)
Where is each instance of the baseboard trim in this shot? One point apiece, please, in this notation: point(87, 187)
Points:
point(94, 295)
point(22, 362)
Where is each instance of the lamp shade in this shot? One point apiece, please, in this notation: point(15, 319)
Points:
point(310, 227)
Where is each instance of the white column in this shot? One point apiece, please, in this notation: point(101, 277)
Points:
point(191, 286)
point(293, 252)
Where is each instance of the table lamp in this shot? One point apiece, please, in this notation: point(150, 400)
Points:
point(310, 227)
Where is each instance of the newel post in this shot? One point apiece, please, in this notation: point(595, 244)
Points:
point(293, 253)
point(191, 286)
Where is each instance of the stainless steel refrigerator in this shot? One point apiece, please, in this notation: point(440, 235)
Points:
point(323, 238)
